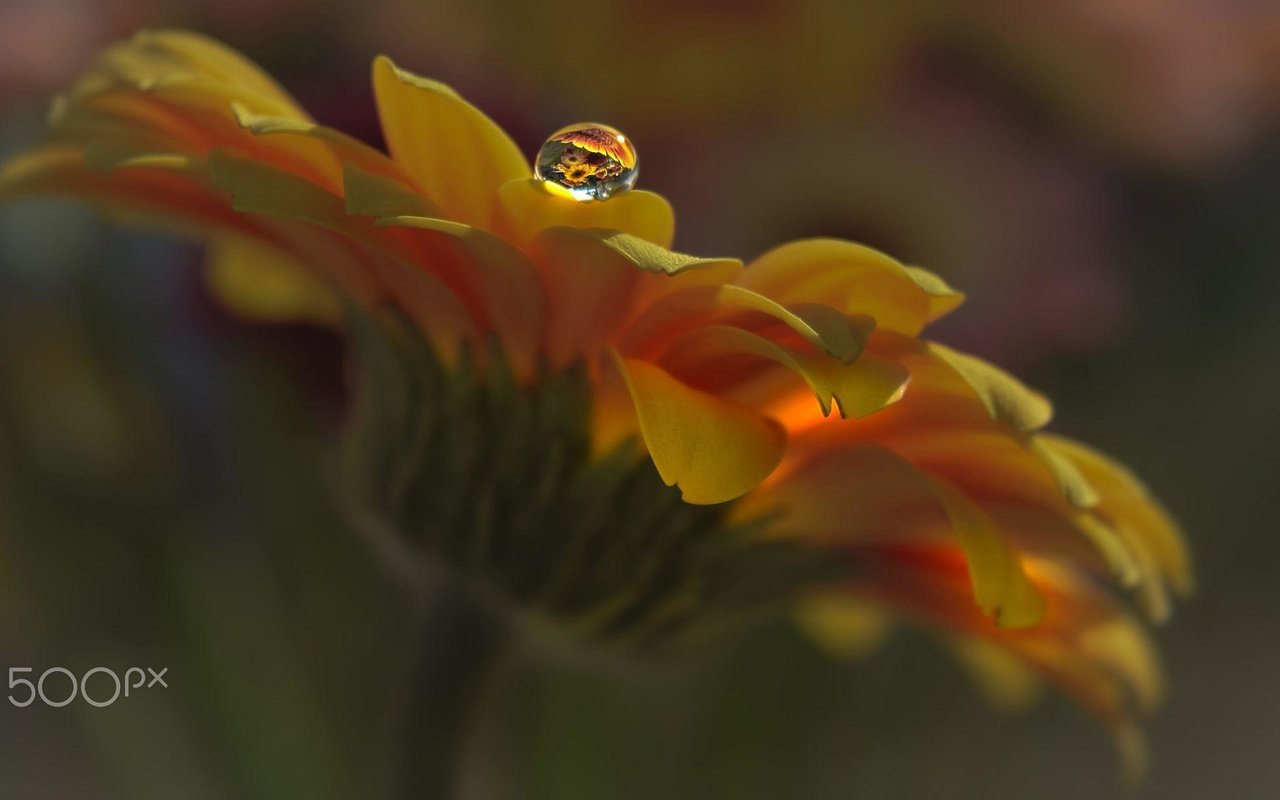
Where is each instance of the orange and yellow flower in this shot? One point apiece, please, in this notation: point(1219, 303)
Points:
point(599, 140)
point(931, 484)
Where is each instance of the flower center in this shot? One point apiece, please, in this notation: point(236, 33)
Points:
point(589, 160)
point(461, 467)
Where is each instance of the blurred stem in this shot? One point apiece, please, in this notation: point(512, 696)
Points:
point(460, 645)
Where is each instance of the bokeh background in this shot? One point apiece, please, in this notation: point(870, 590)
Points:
point(1102, 178)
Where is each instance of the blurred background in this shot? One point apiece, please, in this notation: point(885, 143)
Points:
point(1102, 178)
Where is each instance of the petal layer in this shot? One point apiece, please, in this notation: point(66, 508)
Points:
point(456, 155)
point(712, 449)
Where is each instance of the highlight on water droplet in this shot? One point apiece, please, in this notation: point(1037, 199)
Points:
point(589, 160)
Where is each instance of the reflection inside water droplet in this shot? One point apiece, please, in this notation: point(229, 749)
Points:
point(589, 160)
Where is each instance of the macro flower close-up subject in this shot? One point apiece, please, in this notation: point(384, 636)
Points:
point(581, 442)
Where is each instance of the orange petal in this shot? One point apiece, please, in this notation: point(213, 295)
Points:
point(514, 301)
point(858, 389)
point(865, 494)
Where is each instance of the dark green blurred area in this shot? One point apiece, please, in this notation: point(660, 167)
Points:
point(1106, 192)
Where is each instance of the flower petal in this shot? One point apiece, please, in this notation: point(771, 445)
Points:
point(528, 208)
point(1010, 474)
point(844, 626)
point(651, 257)
point(202, 54)
point(158, 187)
point(264, 283)
point(1006, 398)
point(326, 149)
point(679, 312)
point(858, 389)
point(514, 300)
point(1000, 584)
point(370, 194)
point(456, 154)
point(1087, 644)
point(591, 293)
point(864, 494)
point(712, 449)
point(854, 279)
point(1126, 503)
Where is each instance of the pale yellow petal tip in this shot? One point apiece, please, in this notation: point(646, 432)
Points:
point(943, 298)
point(1135, 755)
point(260, 124)
point(843, 627)
point(1006, 398)
point(385, 63)
point(1075, 486)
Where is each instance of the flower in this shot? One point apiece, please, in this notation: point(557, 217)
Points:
point(622, 442)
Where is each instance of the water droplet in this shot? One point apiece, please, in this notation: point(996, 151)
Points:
point(589, 160)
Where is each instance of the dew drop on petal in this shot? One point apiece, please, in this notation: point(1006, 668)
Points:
point(589, 160)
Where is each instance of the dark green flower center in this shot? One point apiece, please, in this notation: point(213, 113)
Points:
point(465, 467)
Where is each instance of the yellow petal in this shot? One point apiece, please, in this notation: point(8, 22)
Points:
point(1126, 502)
point(263, 283)
point(174, 88)
point(1074, 485)
point(456, 154)
point(1123, 648)
point(846, 627)
point(528, 208)
point(1008, 682)
point(854, 279)
point(208, 56)
point(713, 450)
point(1000, 584)
point(1006, 398)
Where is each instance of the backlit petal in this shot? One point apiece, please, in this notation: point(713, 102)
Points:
point(457, 155)
point(713, 450)
point(528, 208)
point(854, 279)
point(264, 283)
